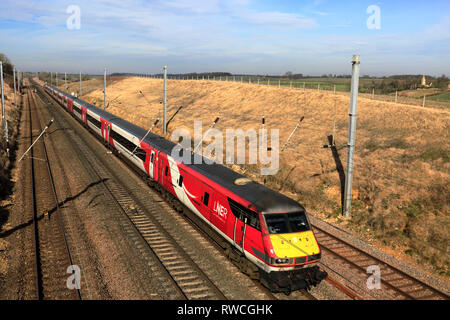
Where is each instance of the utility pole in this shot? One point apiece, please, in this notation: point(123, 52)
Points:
point(4, 122)
point(104, 90)
point(351, 134)
point(57, 79)
point(3, 98)
point(423, 104)
point(65, 80)
point(14, 76)
point(80, 85)
point(51, 78)
point(165, 101)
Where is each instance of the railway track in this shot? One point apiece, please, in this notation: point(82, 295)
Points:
point(394, 283)
point(51, 250)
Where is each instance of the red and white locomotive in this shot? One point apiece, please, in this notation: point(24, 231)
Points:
point(266, 233)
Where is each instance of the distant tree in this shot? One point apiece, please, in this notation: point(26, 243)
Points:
point(441, 82)
point(288, 74)
point(7, 65)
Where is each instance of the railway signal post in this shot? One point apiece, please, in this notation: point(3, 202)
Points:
point(351, 135)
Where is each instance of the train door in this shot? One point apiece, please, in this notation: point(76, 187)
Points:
point(151, 167)
point(84, 115)
point(166, 179)
point(70, 106)
point(239, 233)
point(156, 167)
point(106, 129)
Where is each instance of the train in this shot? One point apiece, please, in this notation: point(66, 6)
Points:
point(266, 234)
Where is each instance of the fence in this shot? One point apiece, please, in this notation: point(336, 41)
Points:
point(338, 88)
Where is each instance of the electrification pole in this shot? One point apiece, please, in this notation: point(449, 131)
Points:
point(4, 122)
point(3, 98)
point(351, 135)
point(104, 90)
point(80, 85)
point(165, 101)
point(14, 76)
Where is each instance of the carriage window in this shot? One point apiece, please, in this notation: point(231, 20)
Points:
point(77, 109)
point(206, 199)
point(94, 121)
point(180, 182)
point(125, 142)
point(141, 154)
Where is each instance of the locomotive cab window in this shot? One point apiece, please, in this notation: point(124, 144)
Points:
point(244, 214)
point(287, 222)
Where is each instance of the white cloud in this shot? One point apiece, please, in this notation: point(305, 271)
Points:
point(279, 19)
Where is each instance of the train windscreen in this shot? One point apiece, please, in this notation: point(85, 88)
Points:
point(287, 222)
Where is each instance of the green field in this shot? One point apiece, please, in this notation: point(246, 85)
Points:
point(441, 97)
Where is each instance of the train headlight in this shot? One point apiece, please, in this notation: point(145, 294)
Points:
point(281, 261)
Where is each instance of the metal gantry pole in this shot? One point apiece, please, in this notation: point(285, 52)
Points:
point(351, 135)
point(165, 101)
point(65, 80)
point(80, 84)
point(14, 76)
point(104, 90)
point(3, 98)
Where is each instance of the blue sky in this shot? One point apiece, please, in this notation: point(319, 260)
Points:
point(240, 36)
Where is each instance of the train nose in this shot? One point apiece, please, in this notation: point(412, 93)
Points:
point(294, 245)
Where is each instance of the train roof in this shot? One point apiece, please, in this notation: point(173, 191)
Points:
point(263, 199)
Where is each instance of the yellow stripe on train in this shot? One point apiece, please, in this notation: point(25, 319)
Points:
point(291, 245)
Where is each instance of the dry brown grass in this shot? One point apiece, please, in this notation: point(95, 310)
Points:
point(401, 179)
